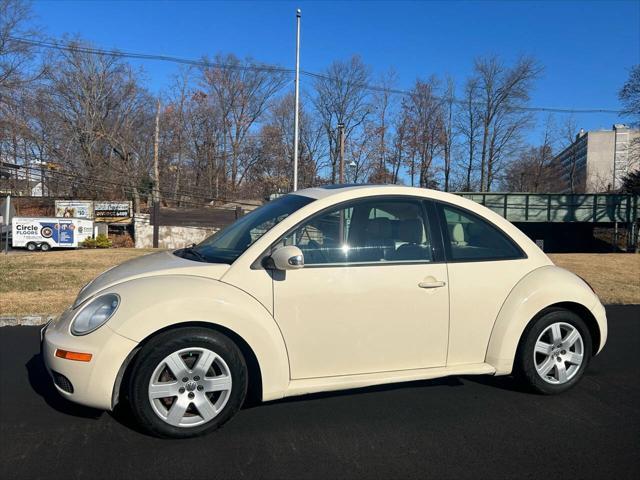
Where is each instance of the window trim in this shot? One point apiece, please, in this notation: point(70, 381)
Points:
point(432, 231)
point(439, 207)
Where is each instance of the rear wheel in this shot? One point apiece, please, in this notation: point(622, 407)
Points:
point(554, 352)
point(45, 247)
point(187, 382)
point(31, 246)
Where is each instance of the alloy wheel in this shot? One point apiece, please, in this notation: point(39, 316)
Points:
point(558, 353)
point(190, 387)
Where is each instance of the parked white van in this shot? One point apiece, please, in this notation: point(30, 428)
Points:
point(45, 233)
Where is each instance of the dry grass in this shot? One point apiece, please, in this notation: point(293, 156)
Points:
point(46, 283)
point(614, 276)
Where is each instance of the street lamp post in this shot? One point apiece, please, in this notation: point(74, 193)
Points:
point(297, 101)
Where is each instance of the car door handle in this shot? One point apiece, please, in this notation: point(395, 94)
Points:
point(432, 284)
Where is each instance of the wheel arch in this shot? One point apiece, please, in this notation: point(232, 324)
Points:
point(587, 317)
point(254, 388)
point(152, 305)
point(580, 310)
point(543, 288)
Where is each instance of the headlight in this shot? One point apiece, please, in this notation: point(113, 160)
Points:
point(94, 314)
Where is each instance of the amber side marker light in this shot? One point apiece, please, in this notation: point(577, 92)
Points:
point(77, 356)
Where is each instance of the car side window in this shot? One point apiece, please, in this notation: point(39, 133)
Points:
point(366, 231)
point(471, 238)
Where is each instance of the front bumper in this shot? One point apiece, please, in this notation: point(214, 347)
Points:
point(92, 382)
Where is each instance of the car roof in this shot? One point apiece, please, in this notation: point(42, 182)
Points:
point(330, 190)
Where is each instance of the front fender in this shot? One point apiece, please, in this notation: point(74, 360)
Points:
point(151, 304)
point(541, 288)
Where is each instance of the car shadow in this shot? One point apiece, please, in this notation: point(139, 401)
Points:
point(41, 383)
point(122, 414)
point(503, 382)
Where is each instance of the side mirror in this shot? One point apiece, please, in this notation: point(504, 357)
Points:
point(288, 258)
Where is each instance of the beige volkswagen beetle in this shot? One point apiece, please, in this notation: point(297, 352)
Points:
point(323, 289)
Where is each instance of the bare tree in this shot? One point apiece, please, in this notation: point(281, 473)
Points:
point(96, 116)
point(505, 143)
point(448, 130)
point(502, 91)
point(341, 96)
point(242, 91)
point(532, 171)
point(424, 116)
point(362, 152)
point(468, 125)
point(15, 57)
point(175, 127)
point(17, 70)
point(399, 146)
point(569, 141)
point(544, 172)
point(379, 126)
point(311, 159)
point(205, 162)
point(629, 96)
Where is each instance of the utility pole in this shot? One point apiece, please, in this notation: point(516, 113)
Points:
point(297, 101)
point(341, 136)
point(42, 178)
point(156, 181)
point(7, 210)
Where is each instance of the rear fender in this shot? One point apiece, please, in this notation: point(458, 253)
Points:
point(539, 289)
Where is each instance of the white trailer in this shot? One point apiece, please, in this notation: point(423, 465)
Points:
point(45, 233)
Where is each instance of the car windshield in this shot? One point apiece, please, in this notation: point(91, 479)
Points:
point(229, 243)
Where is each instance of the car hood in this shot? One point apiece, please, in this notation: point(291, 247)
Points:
point(155, 264)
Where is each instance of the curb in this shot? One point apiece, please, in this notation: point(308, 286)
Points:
point(27, 320)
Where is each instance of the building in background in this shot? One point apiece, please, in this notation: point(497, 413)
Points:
point(599, 160)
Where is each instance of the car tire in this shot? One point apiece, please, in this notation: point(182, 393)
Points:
point(45, 247)
point(196, 402)
point(554, 352)
point(31, 247)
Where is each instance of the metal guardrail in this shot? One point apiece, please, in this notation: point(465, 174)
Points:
point(551, 207)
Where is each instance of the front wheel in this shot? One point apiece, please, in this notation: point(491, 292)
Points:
point(554, 352)
point(187, 382)
point(45, 247)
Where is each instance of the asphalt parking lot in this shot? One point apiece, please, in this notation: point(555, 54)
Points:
point(458, 427)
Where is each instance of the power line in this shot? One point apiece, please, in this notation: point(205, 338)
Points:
point(274, 68)
point(146, 56)
point(68, 178)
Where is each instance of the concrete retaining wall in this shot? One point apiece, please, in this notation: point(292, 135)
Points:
point(169, 236)
point(26, 320)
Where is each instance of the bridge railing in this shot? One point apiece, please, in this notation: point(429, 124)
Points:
point(551, 207)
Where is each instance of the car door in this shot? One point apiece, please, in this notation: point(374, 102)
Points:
point(484, 264)
point(372, 296)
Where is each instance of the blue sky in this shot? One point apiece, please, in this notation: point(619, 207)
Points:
point(587, 48)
